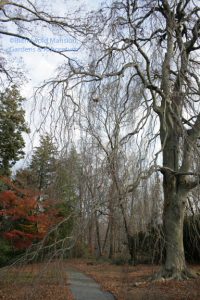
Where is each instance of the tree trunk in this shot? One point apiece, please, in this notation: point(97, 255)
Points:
point(111, 221)
point(111, 248)
point(175, 195)
point(130, 238)
point(106, 237)
point(90, 236)
point(98, 235)
point(173, 217)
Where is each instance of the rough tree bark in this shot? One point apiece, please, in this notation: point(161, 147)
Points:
point(176, 144)
point(98, 235)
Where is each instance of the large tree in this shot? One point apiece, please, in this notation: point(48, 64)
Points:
point(174, 87)
point(156, 43)
point(12, 125)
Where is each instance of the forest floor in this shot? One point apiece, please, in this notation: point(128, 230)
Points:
point(35, 282)
point(120, 280)
point(49, 281)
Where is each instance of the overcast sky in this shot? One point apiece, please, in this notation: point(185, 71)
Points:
point(39, 66)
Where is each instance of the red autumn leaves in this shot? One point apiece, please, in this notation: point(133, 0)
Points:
point(24, 218)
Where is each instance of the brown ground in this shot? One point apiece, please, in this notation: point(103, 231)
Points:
point(35, 282)
point(120, 281)
point(48, 282)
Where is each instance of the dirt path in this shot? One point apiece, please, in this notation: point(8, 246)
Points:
point(84, 287)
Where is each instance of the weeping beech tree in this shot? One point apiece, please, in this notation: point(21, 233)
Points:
point(175, 95)
point(156, 43)
point(165, 35)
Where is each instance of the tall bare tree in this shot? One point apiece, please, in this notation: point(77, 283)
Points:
point(157, 42)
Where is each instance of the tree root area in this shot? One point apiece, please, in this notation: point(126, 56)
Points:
point(166, 275)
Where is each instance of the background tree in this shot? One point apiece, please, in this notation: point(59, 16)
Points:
point(66, 189)
point(55, 177)
point(12, 126)
point(43, 163)
point(22, 220)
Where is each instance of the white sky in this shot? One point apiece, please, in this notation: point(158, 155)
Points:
point(39, 66)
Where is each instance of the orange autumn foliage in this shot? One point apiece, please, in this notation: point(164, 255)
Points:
point(23, 218)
